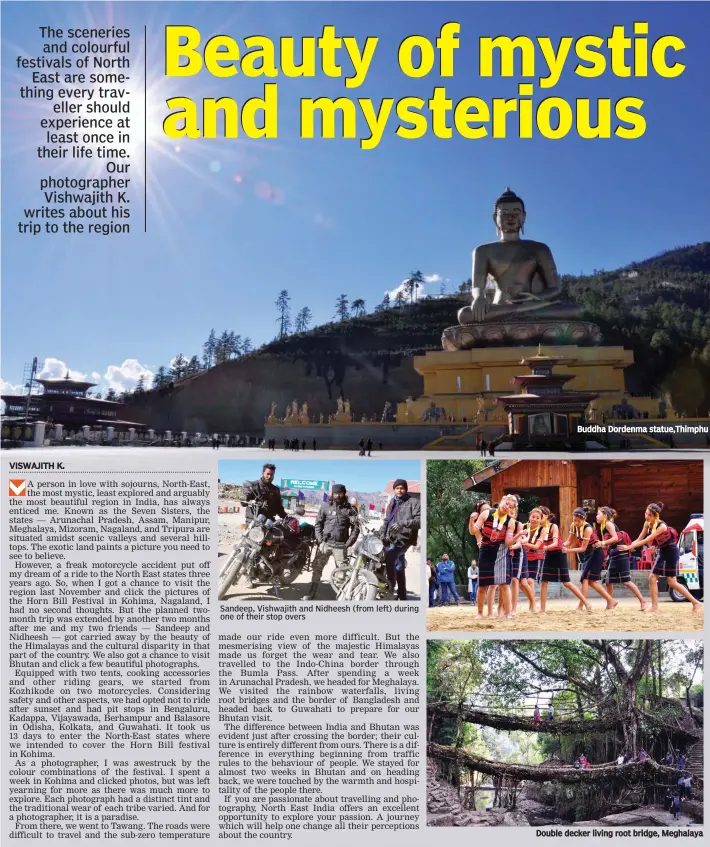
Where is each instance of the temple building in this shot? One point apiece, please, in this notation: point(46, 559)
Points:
point(544, 413)
point(65, 402)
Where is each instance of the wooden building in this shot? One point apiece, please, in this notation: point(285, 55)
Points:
point(627, 486)
point(67, 402)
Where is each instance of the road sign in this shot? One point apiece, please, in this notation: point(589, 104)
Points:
point(306, 484)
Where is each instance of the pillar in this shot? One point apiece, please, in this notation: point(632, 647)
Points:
point(85, 430)
point(38, 436)
point(168, 435)
point(183, 437)
point(151, 435)
point(131, 433)
point(109, 434)
point(58, 432)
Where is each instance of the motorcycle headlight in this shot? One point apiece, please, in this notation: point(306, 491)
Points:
point(372, 545)
point(256, 534)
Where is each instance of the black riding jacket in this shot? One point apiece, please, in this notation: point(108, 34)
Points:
point(337, 524)
point(269, 494)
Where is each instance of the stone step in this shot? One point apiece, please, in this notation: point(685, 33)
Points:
point(446, 819)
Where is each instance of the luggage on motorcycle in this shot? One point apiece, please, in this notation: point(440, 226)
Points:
point(307, 530)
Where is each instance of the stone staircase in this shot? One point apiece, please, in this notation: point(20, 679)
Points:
point(695, 760)
point(443, 805)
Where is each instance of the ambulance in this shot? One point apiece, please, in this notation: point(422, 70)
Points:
point(690, 544)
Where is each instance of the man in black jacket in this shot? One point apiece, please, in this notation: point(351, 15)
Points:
point(402, 522)
point(266, 493)
point(337, 528)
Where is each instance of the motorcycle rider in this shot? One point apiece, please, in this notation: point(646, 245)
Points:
point(267, 497)
point(337, 528)
point(266, 494)
point(402, 522)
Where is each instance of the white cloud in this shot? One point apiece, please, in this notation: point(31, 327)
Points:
point(125, 377)
point(10, 387)
point(432, 283)
point(95, 376)
point(57, 369)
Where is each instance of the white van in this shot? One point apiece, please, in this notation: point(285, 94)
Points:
point(690, 544)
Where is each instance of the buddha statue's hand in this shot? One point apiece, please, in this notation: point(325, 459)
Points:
point(479, 309)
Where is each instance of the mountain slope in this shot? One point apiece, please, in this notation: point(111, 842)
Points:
point(659, 307)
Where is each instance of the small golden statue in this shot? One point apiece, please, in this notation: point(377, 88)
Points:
point(303, 415)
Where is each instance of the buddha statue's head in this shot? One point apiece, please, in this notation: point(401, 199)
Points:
point(509, 214)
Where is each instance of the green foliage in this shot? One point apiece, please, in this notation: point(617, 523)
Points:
point(660, 308)
point(448, 511)
point(454, 670)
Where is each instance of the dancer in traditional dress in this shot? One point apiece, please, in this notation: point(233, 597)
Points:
point(484, 504)
point(667, 558)
point(533, 544)
point(618, 563)
point(494, 534)
point(555, 567)
point(581, 540)
point(520, 568)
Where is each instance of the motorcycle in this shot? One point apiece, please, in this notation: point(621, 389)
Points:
point(270, 551)
point(365, 575)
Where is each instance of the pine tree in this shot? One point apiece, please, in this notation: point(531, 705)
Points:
point(341, 307)
point(247, 346)
point(283, 305)
point(399, 299)
point(413, 283)
point(161, 377)
point(221, 352)
point(111, 394)
point(358, 307)
point(303, 319)
point(193, 367)
point(208, 350)
point(385, 304)
point(140, 385)
point(177, 368)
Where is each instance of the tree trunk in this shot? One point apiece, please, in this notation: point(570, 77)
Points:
point(660, 659)
point(605, 773)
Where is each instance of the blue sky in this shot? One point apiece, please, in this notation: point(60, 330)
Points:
point(355, 474)
point(232, 222)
